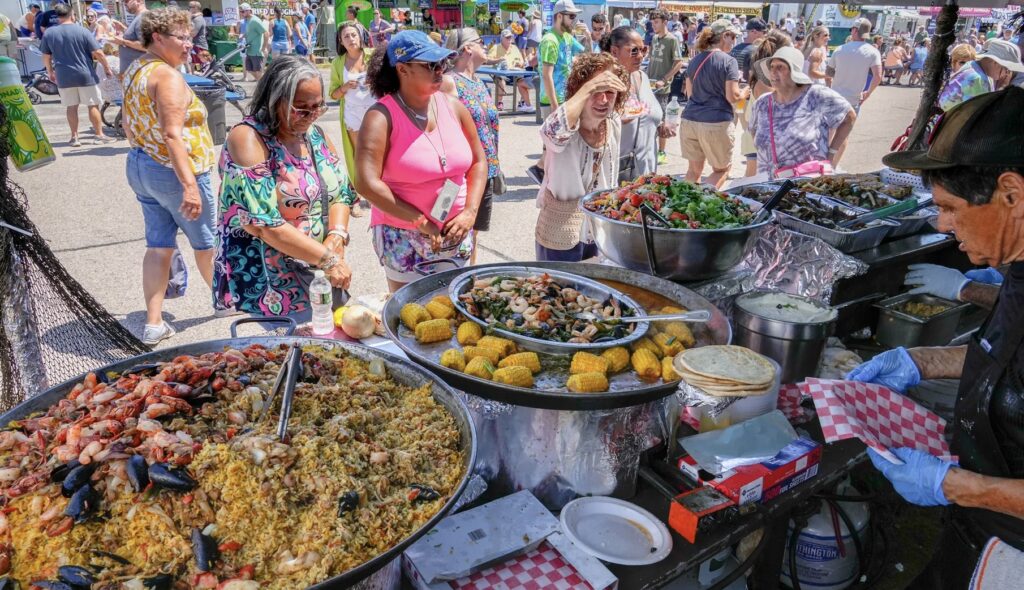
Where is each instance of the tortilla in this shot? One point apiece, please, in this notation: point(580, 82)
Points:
point(735, 364)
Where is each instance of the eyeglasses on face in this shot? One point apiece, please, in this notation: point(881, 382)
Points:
point(312, 113)
point(638, 51)
point(184, 38)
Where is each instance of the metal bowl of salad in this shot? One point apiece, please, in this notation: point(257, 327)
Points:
point(689, 232)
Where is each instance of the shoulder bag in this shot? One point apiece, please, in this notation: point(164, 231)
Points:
point(812, 168)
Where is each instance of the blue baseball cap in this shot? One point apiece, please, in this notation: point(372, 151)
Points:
point(98, 8)
point(415, 45)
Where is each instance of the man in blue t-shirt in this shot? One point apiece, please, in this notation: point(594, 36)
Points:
point(46, 20)
point(310, 19)
point(69, 54)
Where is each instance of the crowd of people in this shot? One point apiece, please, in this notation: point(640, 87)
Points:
point(420, 129)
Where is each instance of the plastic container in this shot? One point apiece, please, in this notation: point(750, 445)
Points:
point(673, 112)
point(744, 408)
point(30, 148)
point(322, 302)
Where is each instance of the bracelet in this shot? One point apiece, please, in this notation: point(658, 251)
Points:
point(328, 261)
point(340, 233)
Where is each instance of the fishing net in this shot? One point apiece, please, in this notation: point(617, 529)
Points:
point(51, 328)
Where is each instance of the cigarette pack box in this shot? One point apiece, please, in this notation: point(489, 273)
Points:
point(795, 463)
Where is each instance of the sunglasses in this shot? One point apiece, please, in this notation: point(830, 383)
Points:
point(570, 15)
point(638, 51)
point(312, 113)
point(435, 67)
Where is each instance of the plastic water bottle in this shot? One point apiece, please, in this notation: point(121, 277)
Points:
point(673, 111)
point(29, 146)
point(321, 300)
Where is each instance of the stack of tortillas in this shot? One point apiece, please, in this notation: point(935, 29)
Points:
point(726, 371)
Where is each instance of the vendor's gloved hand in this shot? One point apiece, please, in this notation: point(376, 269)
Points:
point(893, 369)
point(936, 280)
point(919, 479)
point(988, 276)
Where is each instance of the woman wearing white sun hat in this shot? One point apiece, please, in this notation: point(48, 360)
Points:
point(798, 122)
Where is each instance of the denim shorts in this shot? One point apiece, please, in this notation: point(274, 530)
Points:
point(159, 191)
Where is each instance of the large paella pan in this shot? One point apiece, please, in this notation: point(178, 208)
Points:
point(155, 472)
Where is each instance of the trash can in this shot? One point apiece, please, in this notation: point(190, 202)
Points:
point(212, 96)
point(221, 48)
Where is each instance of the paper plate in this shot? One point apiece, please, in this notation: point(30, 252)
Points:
point(616, 531)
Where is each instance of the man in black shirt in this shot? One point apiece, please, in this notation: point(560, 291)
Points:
point(756, 29)
point(975, 167)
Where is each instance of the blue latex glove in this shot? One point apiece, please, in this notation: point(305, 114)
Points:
point(893, 369)
point(936, 280)
point(988, 276)
point(919, 479)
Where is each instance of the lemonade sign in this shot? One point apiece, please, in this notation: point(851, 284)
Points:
point(29, 146)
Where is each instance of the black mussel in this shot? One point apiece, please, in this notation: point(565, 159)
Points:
point(76, 478)
point(159, 582)
point(8, 583)
point(244, 379)
point(204, 548)
point(518, 318)
point(172, 479)
point(61, 471)
point(102, 377)
point(82, 504)
point(138, 472)
point(422, 493)
point(544, 326)
point(76, 575)
point(111, 556)
point(619, 331)
point(347, 502)
point(52, 585)
point(145, 370)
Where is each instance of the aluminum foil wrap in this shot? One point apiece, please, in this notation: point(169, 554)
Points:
point(785, 261)
point(695, 397)
point(558, 454)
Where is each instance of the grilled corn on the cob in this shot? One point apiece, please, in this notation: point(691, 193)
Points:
point(680, 331)
point(647, 343)
point(480, 367)
point(504, 346)
point(646, 364)
point(670, 345)
point(471, 352)
point(587, 383)
point(453, 359)
point(530, 360)
point(584, 362)
point(668, 374)
point(412, 314)
point(469, 333)
point(618, 358)
point(433, 331)
point(438, 310)
point(514, 375)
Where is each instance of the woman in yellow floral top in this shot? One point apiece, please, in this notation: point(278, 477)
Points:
point(171, 158)
point(278, 172)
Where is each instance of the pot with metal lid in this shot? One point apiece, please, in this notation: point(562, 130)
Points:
point(790, 329)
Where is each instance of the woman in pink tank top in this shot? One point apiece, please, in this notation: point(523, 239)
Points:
point(419, 161)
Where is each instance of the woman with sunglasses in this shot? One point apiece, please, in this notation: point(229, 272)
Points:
point(464, 85)
point(419, 161)
point(816, 54)
point(642, 116)
point(348, 86)
point(581, 140)
point(278, 172)
point(172, 154)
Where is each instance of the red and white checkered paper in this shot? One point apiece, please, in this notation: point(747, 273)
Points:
point(540, 569)
point(878, 416)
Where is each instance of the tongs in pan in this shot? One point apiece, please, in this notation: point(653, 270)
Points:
point(287, 375)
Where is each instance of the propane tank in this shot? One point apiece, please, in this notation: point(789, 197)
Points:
point(820, 562)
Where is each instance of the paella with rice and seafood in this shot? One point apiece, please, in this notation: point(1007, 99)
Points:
point(164, 476)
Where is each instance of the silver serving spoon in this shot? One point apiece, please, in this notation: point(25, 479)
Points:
point(701, 315)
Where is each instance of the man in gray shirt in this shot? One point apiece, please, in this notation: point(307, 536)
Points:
point(200, 46)
point(69, 53)
point(131, 40)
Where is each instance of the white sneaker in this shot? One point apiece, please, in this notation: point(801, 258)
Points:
point(527, 108)
point(154, 334)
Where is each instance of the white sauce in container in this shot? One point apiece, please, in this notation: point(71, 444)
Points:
point(787, 308)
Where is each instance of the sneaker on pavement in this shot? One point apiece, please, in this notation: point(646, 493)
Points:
point(527, 108)
point(154, 334)
point(536, 173)
point(501, 106)
point(104, 139)
point(662, 158)
point(75, 142)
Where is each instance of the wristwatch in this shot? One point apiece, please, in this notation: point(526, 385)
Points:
point(343, 234)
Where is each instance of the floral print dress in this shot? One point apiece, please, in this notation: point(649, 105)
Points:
point(249, 274)
point(474, 95)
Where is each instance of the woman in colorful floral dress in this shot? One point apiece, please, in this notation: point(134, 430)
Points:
point(463, 84)
point(274, 169)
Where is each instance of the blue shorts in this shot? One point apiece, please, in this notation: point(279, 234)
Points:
point(159, 191)
point(577, 253)
point(301, 50)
